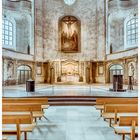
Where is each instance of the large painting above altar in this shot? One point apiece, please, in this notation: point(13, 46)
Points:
point(69, 34)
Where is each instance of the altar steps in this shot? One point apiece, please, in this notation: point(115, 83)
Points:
point(60, 101)
point(75, 100)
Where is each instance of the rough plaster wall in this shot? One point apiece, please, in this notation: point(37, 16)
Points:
point(23, 33)
point(85, 11)
point(38, 31)
point(117, 35)
point(117, 14)
point(8, 70)
point(20, 38)
point(21, 15)
point(100, 30)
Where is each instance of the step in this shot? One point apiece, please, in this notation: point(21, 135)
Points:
point(72, 103)
point(71, 99)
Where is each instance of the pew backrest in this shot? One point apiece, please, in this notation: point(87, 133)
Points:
point(121, 108)
point(102, 101)
point(17, 119)
point(13, 118)
point(127, 120)
point(42, 101)
point(21, 107)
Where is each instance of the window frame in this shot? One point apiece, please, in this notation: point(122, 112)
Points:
point(126, 45)
point(13, 23)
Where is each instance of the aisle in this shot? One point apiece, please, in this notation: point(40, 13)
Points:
point(72, 123)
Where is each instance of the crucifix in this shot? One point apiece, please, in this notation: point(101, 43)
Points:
point(69, 21)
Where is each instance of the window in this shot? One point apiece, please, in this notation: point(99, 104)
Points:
point(132, 31)
point(69, 2)
point(7, 32)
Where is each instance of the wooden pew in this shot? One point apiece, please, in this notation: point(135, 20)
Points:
point(111, 110)
point(133, 130)
point(126, 127)
point(43, 101)
point(18, 119)
point(35, 108)
point(100, 102)
point(4, 138)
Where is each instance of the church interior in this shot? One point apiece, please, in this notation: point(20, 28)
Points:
point(69, 69)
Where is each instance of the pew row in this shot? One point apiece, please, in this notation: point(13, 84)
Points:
point(16, 123)
point(126, 127)
point(43, 101)
point(114, 111)
point(100, 102)
point(35, 108)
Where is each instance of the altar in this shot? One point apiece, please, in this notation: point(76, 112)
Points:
point(70, 78)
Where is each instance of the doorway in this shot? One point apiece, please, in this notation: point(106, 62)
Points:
point(24, 73)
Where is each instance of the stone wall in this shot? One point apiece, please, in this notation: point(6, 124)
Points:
point(118, 12)
point(20, 14)
point(91, 16)
point(125, 63)
point(37, 26)
point(9, 70)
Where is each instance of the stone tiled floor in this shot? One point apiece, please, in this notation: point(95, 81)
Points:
point(72, 123)
point(74, 90)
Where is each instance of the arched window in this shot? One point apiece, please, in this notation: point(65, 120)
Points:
point(131, 32)
point(69, 2)
point(8, 34)
point(115, 70)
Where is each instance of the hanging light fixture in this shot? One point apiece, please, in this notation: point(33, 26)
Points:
point(69, 2)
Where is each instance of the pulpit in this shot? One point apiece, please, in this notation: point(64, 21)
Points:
point(117, 83)
point(30, 85)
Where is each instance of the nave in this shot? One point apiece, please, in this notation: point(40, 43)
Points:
point(72, 123)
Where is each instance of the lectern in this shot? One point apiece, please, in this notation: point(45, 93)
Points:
point(30, 85)
point(117, 83)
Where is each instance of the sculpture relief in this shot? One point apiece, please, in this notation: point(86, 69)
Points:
point(70, 34)
point(131, 70)
point(10, 69)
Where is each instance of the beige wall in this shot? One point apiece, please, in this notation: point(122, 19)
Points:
point(101, 24)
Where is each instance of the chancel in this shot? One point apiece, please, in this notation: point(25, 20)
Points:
point(69, 69)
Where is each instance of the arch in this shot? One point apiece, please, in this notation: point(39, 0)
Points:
point(24, 72)
point(26, 67)
point(115, 69)
point(75, 16)
point(69, 2)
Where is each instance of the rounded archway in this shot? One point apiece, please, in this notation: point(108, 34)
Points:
point(115, 69)
point(24, 72)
